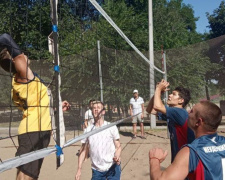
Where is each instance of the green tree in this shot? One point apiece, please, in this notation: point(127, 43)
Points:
point(188, 66)
point(80, 26)
point(217, 21)
point(28, 23)
point(216, 52)
point(174, 24)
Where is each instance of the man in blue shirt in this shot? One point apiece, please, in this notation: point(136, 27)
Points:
point(175, 115)
point(204, 158)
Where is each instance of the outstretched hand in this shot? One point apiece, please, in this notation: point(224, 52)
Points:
point(163, 86)
point(65, 106)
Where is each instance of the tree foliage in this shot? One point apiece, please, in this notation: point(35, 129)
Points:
point(217, 21)
point(188, 67)
point(216, 52)
point(81, 25)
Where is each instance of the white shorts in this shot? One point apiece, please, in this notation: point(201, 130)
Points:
point(137, 119)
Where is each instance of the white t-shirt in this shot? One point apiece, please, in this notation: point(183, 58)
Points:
point(102, 147)
point(88, 115)
point(136, 105)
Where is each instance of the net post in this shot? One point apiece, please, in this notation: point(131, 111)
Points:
point(166, 93)
point(100, 70)
point(165, 75)
point(151, 58)
point(56, 60)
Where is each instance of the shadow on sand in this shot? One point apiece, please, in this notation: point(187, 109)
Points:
point(129, 134)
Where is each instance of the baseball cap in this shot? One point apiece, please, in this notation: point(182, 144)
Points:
point(135, 91)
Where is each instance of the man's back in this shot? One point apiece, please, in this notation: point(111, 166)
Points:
point(207, 158)
point(180, 134)
point(32, 98)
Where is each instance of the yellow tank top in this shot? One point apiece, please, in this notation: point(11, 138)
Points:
point(32, 98)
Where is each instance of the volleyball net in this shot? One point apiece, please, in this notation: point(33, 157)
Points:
point(72, 69)
point(98, 60)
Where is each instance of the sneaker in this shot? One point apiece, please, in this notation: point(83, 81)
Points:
point(142, 137)
point(134, 137)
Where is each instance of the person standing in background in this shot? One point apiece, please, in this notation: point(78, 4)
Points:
point(88, 117)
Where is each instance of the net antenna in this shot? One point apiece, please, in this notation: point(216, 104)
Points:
point(59, 129)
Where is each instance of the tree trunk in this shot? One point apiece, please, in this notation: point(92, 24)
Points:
point(206, 89)
point(118, 109)
point(109, 112)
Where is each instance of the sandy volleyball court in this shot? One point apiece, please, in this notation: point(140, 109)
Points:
point(134, 165)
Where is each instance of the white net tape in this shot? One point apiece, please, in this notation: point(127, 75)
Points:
point(32, 156)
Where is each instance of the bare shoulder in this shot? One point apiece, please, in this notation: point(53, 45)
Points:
point(182, 156)
point(180, 166)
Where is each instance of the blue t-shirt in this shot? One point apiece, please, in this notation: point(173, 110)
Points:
point(207, 158)
point(180, 134)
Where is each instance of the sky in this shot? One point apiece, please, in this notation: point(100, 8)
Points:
point(200, 8)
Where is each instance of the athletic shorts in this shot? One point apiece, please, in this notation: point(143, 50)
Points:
point(137, 119)
point(32, 141)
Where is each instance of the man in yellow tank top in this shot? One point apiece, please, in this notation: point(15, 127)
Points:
point(30, 95)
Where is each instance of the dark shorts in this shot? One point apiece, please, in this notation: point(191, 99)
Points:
point(32, 141)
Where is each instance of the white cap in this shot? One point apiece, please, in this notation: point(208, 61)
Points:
point(135, 91)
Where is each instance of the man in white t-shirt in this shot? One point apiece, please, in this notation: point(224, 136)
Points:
point(88, 117)
point(104, 148)
point(137, 107)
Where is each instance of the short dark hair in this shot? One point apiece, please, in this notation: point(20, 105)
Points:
point(184, 93)
point(91, 100)
point(211, 115)
point(6, 61)
point(99, 102)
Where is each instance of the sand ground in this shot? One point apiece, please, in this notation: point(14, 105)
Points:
point(135, 163)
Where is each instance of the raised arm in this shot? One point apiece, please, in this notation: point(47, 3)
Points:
point(66, 105)
point(13, 55)
point(150, 108)
point(158, 104)
point(24, 73)
point(177, 170)
point(7, 42)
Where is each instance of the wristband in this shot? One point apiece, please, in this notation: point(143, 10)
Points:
point(154, 158)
